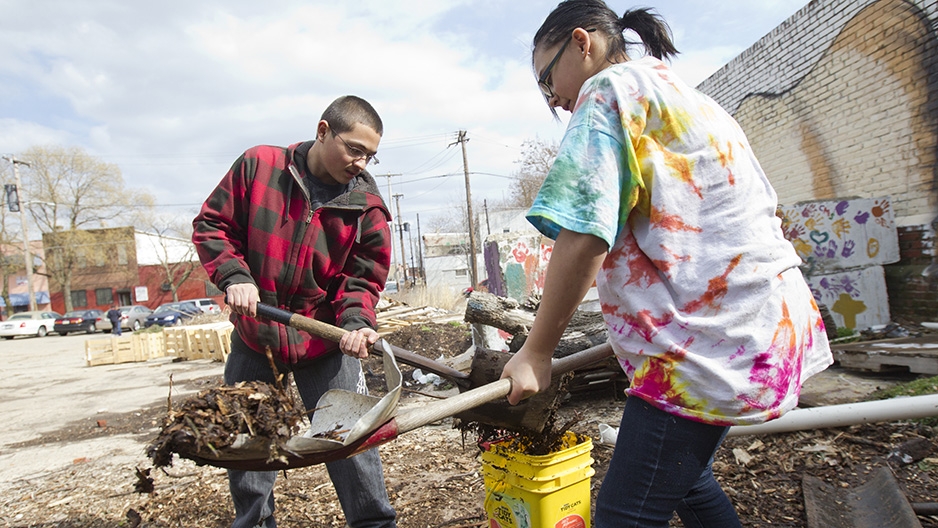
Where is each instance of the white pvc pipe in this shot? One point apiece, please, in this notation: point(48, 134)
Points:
point(902, 408)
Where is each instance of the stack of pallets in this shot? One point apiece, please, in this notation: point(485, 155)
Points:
point(206, 341)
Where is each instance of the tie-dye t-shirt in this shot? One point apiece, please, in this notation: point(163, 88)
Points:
point(705, 306)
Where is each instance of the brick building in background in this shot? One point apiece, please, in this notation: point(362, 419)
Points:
point(841, 101)
point(125, 266)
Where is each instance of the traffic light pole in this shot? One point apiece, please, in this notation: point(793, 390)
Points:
point(27, 257)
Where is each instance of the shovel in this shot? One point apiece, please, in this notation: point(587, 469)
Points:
point(374, 426)
point(334, 333)
point(529, 415)
point(252, 455)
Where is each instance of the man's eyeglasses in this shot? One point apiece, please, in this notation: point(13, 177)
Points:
point(356, 153)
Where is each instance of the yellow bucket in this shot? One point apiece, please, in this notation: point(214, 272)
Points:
point(538, 491)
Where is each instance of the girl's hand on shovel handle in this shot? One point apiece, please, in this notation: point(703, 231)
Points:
point(357, 342)
point(530, 373)
point(242, 298)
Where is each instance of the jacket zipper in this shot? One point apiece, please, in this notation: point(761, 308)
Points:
point(299, 179)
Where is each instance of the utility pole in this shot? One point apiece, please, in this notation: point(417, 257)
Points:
point(423, 272)
point(462, 139)
point(26, 255)
point(393, 259)
point(488, 226)
point(400, 227)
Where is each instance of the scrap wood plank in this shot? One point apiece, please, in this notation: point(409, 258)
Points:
point(876, 503)
point(399, 322)
point(390, 312)
point(917, 354)
point(449, 319)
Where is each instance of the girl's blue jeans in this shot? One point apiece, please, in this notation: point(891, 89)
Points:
point(661, 465)
point(358, 481)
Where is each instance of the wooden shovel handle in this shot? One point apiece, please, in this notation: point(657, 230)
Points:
point(464, 401)
point(334, 333)
point(439, 409)
point(307, 324)
point(583, 358)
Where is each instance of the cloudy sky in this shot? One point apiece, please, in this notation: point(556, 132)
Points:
point(172, 92)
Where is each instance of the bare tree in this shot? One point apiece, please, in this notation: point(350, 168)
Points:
point(171, 241)
point(67, 192)
point(537, 156)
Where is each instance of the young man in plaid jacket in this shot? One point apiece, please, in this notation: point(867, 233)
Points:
point(304, 228)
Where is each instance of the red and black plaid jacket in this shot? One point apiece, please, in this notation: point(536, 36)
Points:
point(331, 264)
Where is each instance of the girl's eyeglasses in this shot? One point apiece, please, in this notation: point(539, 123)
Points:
point(544, 81)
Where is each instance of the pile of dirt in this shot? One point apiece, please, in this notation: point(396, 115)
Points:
point(433, 340)
point(434, 479)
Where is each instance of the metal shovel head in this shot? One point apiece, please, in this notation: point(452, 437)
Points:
point(341, 418)
point(349, 415)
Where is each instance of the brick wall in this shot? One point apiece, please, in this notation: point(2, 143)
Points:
point(912, 295)
point(841, 100)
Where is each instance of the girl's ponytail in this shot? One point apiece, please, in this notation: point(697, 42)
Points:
point(652, 29)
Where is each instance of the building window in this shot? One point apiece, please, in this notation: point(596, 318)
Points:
point(79, 299)
point(104, 296)
point(462, 273)
point(122, 254)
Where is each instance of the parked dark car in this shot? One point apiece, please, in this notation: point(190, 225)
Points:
point(88, 321)
point(172, 313)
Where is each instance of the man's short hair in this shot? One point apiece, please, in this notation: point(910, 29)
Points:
point(347, 111)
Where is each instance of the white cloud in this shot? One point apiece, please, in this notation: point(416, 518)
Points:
point(17, 136)
point(173, 91)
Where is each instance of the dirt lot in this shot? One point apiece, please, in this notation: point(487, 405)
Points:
point(74, 436)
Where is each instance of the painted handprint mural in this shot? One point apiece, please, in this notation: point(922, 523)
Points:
point(844, 245)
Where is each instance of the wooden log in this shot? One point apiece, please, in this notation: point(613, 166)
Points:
point(499, 312)
point(586, 329)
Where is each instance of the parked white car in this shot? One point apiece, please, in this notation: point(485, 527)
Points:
point(207, 305)
point(38, 323)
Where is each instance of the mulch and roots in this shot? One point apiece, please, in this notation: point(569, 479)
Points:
point(214, 418)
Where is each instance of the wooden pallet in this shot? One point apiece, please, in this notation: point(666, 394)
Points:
point(124, 349)
point(208, 341)
point(916, 354)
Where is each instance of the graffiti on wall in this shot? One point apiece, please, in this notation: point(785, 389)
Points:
point(842, 234)
point(856, 298)
point(517, 264)
point(844, 244)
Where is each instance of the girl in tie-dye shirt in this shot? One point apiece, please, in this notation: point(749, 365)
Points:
point(657, 195)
